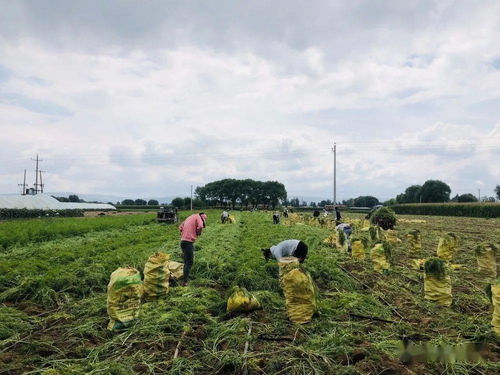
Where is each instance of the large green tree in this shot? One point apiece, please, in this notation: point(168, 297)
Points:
point(178, 202)
point(466, 198)
point(497, 191)
point(153, 202)
point(435, 191)
point(365, 201)
point(243, 192)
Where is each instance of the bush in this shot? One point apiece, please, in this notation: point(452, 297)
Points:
point(384, 217)
point(486, 210)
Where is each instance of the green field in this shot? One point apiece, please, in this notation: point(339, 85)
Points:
point(54, 273)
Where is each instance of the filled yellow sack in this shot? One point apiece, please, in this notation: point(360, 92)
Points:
point(379, 257)
point(332, 240)
point(414, 241)
point(176, 270)
point(486, 259)
point(242, 300)
point(358, 249)
point(299, 290)
point(284, 261)
point(389, 235)
point(124, 297)
point(156, 276)
point(447, 246)
point(495, 302)
point(230, 220)
point(437, 282)
point(374, 234)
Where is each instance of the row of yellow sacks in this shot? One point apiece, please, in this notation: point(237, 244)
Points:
point(298, 287)
point(126, 290)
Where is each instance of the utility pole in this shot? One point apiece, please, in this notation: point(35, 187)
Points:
point(36, 173)
point(191, 197)
point(479, 195)
point(23, 184)
point(334, 149)
point(41, 182)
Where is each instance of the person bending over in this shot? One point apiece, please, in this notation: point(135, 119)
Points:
point(224, 216)
point(287, 248)
point(190, 229)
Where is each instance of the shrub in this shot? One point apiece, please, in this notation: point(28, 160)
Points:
point(486, 210)
point(384, 217)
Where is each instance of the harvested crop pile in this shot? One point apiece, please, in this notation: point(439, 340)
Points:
point(300, 292)
point(242, 300)
point(156, 276)
point(437, 282)
point(380, 255)
point(486, 254)
point(447, 246)
point(124, 297)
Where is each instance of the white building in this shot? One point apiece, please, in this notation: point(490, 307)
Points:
point(46, 202)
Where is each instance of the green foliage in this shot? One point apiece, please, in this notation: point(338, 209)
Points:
point(384, 217)
point(19, 232)
point(178, 202)
point(24, 213)
point(497, 191)
point(486, 210)
point(128, 202)
point(435, 266)
point(246, 192)
point(365, 201)
point(412, 194)
point(435, 191)
point(55, 291)
point(153, 202)
point(466, 198)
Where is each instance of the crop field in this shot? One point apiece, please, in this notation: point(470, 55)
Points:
point(54, 273)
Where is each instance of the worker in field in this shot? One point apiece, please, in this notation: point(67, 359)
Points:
point(224, 216)
point(338, 217)
point(276, 218)
point(287, 248)
point(190, 229)
point(285, 212)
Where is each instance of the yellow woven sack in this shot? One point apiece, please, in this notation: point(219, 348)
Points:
point(495, 301)
point(284, 261)
point(374, 234)
point(230, 220)
point(300, 292)
point(378, 257)
point(437, 282)
point(156, 276)
point(486, 259)
point(176, 270)
point(390, 236)
point(242, 300)
point(414, 241)
point(358, 249)
point(447, 246)
point(332, 240)
point(124, 297)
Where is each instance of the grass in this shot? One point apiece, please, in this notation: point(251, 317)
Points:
point(20, 232)
point(53, 302)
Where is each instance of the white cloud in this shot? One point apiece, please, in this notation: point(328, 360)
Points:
point(133, 111)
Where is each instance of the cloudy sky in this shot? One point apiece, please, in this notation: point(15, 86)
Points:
point(145, 98)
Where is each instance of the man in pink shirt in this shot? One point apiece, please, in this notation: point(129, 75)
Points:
point(190, 229)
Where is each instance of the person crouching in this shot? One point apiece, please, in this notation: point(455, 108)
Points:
point(287, 248)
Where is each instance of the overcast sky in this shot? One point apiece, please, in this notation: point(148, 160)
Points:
point(145, 98)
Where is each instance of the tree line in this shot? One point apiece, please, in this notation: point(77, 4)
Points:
point(436, 191)
point(247, 192)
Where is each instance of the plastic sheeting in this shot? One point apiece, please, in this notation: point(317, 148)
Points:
point(47, 202)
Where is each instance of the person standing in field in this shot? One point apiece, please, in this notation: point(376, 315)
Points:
point(190, 229)
point(276, 218)
point(287, 248)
